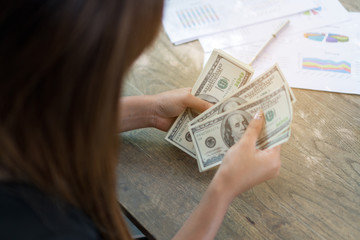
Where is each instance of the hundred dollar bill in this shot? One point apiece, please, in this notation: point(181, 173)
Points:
point(276, 140)
point(213, 137)
point(221, 76)
point(265, 83)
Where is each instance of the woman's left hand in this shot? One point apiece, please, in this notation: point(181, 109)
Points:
point(158, 111)
point(168, 105)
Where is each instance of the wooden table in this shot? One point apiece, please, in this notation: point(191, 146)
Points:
point(316, 196)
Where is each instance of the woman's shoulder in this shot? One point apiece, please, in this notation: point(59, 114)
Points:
point(27, 213)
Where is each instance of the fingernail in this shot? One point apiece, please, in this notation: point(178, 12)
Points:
point(259, 114)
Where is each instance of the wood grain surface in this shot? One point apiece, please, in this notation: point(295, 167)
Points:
point(316, 196)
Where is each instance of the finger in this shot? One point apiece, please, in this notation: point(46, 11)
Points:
point(197, 104)
point(272, 152)
point(186, 89)
point(254, 129)
point(272, 160)
point(276, 149)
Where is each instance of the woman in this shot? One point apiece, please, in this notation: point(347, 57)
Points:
point(61, 68)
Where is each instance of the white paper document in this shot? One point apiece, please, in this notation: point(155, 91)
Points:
point(325, 59)
point(187, 20)
point(328, 12)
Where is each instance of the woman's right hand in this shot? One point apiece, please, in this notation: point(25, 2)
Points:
point(244, 166)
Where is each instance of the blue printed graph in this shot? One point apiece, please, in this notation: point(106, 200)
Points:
point(197, 16)
point(326, 65)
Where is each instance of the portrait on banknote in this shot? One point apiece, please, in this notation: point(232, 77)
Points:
point(234, 126)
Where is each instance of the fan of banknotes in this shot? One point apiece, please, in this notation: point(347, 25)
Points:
point(225, 82)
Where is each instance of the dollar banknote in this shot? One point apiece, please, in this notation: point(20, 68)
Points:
point(214, 136)
point(265, 83)
point(221, 76)
point(276, 140)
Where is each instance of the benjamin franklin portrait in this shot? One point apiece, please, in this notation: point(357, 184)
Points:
point(234, 126)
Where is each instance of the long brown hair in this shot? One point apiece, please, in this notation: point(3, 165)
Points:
point(61, 66)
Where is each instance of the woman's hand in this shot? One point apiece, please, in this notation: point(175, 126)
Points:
point(159, 111)
point(244, 166)
point(168, 105)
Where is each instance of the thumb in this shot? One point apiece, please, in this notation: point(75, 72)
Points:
point(197, 104)
point(254, 129)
